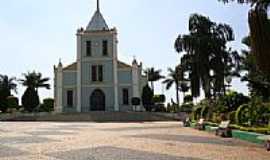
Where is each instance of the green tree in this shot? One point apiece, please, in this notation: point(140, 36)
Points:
point(207, 59)
point(147, 98)
point(153, 76)
point(184, 87)
point(6, 86)
point(232, 100)
point(30, 99)
point(258, 82)
point(33, 81)
point(259, 25)
point(175, 77)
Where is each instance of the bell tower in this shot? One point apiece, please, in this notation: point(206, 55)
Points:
point(97, 57)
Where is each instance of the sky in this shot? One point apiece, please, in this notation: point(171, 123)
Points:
point(35, 34)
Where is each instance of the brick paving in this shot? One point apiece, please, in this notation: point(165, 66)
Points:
point(118, 141)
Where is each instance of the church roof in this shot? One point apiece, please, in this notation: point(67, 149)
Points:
point(97, 22)
point(123, 65)
point(73, 66)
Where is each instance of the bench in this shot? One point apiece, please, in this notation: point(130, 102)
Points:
point(200, 125)
point(223, 129)
point(267, 141)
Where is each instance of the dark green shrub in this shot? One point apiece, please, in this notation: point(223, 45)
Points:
point(257, 130)
point(242, 114)
point(232, 100)
point(159, 99)
point(12, 102)
point(3, 100)
point(197, 113)
point(262, 130)
point(220, 108)
point(232, 117)
point(169, 108)
point(172, 108)
point(262, 114)
point(216, 118)
point(30, 99)
point(211, 124)
point(187, 107)
point(235, 126)
point(204, 111)
point(47, 106)
point(147, 98)
point(188, 98)
point(135, 101)
point(159, 108)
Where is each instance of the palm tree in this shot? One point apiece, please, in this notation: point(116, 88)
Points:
point(153, 76)
point(6, 86)
point(175, 77)
point(33, 81)
point(206, 52)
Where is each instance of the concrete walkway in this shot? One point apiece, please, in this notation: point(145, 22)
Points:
point(118, 141)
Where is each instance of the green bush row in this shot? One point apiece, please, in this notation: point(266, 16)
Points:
point(261, 130)
point(12, 104)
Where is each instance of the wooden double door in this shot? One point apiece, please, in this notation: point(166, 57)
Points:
point(97, 101)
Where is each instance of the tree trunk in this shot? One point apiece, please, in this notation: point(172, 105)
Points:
point(152, 86)
point(177, 94)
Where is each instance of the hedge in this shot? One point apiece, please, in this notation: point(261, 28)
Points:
point(261, 130)
point(47, 106)
point(12, 102)
point(240, 116)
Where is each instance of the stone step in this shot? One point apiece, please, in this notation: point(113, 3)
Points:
point(99, 117)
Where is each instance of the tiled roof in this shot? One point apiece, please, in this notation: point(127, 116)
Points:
point(71, 67)
point(123, 65)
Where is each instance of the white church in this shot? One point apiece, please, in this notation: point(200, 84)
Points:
point(97, 80)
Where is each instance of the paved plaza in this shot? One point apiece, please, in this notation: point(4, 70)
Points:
point(118, 141)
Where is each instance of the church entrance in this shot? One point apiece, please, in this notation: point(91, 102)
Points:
point(97, 101)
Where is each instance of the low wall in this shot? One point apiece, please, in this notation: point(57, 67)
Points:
point(247, 136)
point(11, 116)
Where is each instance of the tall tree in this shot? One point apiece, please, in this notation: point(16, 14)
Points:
point(175, 77)
point(258, 82)
point(6, 86)
point(153, 76)
point(259, 25)
point(207, 57)
point(33, 81)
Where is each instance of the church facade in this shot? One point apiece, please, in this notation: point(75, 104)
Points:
point(97, 81)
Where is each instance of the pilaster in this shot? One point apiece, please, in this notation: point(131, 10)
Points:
point(115, 71)
point(59, 89)
point(79, 70)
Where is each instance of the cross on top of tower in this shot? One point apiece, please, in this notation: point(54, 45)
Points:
point(98, 9)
